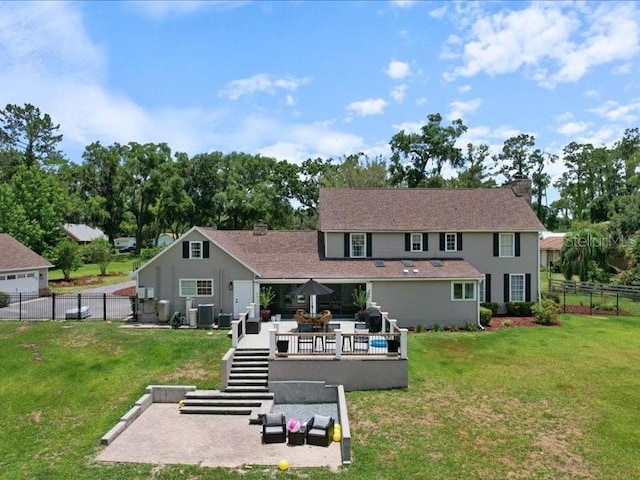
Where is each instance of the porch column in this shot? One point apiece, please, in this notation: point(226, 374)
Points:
point(272, 343)
point(252, 310)
point(403, 343)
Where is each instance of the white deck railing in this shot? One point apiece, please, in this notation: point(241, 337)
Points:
point(239, 326)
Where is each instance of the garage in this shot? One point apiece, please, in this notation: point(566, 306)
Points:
point(19, 282)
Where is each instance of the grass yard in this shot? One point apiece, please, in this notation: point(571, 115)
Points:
point(88, 276)
point(521, 403)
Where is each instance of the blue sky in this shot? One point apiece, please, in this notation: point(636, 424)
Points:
point(295, 80)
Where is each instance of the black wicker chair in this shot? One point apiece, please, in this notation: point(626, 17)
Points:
point(320, 431)
point(273, 428)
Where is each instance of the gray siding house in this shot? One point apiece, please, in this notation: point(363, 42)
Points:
point(426, 256)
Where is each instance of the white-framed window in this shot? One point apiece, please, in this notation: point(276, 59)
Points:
point(358, 245)
point(463, 291)
point(416, 242)
point(481, 290)
point(516, 287)
point(450, 242)
point(11, 277)
point(22, 275)
point(195, 249)
point(31, 275)
point(507, 245)
point(2, 277)
point(196, 287)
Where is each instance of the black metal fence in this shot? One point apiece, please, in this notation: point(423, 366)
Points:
point(67, 306)
point(596, 298)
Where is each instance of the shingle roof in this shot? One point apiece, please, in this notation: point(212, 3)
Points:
point(82, 233)
point(15, 256)
point(425, 209)
point(294, 254)
point(551, 243)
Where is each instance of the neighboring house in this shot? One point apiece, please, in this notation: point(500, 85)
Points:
point(425, 256)
point(81, 233)
point(124, 243)
point(550, 247)
point(21, 269)
point(165, 239)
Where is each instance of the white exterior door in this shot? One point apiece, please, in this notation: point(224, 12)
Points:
point(242, 296)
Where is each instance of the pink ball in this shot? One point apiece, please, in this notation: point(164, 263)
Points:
point(294, 425)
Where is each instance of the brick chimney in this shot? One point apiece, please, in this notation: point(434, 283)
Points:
point(521, 186)
point(260, 228)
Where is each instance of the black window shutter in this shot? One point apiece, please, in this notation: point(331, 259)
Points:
point(527, 287)
point(496, 244)
point(205, 249)
point(347, 249)
point(507, 287)
point(407, 242)
point(516, 239)
point(459, 241)
point(487, 287)
point(425, 242)
point(369, 245)
point(185, 249)
point(442, 242)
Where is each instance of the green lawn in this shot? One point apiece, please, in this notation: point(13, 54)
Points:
point(522, 403)
point(118, 271)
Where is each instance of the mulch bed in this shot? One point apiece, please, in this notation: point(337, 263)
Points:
point(510, 322)
point(584, 310)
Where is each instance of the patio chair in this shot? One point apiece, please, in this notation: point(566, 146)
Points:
point(306, 343)
point(301, 317)
point(273, 428)
point(330, 340)
point(361, 340)
point(320, 430)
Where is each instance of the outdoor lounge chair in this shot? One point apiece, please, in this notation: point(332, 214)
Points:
point(320, 430)
point(306, 342)
point(273, 428)
point(301, 317)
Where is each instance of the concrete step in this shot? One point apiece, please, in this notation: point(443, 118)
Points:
point(246, 383)
point(217, 410)
point(221, 402)
point(244, 369)
point(246, 389)
point(248, 365)
point(217, 394)
point(252, 352)
point(250, 358)
point(247, 375)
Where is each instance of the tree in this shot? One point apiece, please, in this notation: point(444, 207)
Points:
point(433, 146)
point(27, 130)
point(585, 253)
point(357, 171)
point(67, 257)
point(475, 174)
point(175, 207)
point(100, 252)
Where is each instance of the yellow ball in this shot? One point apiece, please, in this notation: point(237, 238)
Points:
point(336, 436)
point(283, 465)
point(337, 427)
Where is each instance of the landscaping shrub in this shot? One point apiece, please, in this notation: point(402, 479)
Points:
point(4, 299)
point(519, 309)
point(545, 312)
point(470, 326)
point(506, 322)
point(437, 327)
point(493, 306)
point(485, 316)
point(149, 253)
point(552, 296)
point(419, 328)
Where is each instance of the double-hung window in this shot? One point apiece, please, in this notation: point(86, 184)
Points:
point(450, 242)
point(516, 287)
point(358, 245)
point(481, 290)
point(194, 287)
point(195, 249)
point(507, 245)
point(463, 291)
point(416, 242)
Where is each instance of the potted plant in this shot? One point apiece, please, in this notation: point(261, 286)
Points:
point(393, 345)
point(266, 297)
point(360, 299)
point(283, 347)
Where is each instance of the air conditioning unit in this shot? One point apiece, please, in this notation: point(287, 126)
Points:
point(150, 293)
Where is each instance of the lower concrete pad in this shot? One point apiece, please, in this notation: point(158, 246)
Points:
point(162, 435)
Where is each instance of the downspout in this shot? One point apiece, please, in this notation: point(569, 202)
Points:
point(548, 272)
point(478, 303)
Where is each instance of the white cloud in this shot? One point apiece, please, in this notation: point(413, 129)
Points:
point(607, 135)
point(398, 92)
point(404, 3)
point(460, 109)
point(553, 43)
point(290, 101)
point(439, 12)
point(591, 93)
point(572, 128)
point(398, 70)
point(421, 101)
point(615, 112)
point(371, 106)
point(408, 127)
point(464, 88)
point(160, 9)
point(624, 69)
point(260, 83)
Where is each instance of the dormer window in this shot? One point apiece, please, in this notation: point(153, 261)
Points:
point(450, 242)
point(358, 245)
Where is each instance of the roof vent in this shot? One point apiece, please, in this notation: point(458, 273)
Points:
point(416, 271)
point(260, 228)
point(405, 271)
point(379, 263)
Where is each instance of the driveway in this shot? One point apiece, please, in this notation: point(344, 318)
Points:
point(42, 308)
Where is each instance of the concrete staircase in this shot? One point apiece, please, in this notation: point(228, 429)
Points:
point(247, 391)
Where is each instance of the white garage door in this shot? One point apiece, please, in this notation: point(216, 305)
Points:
point(24, 282)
